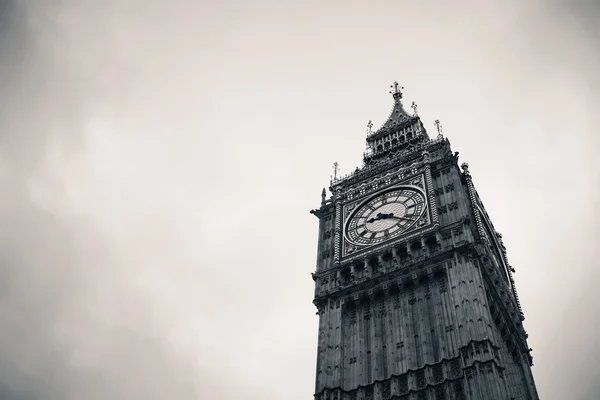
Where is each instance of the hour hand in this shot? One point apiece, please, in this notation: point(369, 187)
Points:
point(377, 217)
point(380, 216)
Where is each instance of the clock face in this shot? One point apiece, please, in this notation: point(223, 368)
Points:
point(385, 216)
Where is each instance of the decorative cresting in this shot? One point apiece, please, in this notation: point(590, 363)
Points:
point(429, 182)
point(471, 191)
point(338, 217)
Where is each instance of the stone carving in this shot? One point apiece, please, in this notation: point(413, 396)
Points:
point(386, 391)
point(501, 373)
point(350, 248)
point(403, 384)
point(459, 391)
point(418, 182)
point(438, 373)
point(455, 369)
point(397, 301)
point(443, 286)
point(420, 379)
point(440, 393)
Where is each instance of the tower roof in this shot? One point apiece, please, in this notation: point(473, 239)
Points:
point(399, 117)
point(400, 131)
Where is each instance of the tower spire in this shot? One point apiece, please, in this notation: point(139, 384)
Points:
point(438, 126)
point(396, 90)
point(401, 130)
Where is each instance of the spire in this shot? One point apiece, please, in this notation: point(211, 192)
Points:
point(401, 130)
point(399, 116)
point(438, 126)
point(396, 90)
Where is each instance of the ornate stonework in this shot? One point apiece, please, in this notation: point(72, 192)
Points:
point(423, 306)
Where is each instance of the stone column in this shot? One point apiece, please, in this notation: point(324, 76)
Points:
point(395, 257)
point(368, 271)
point(380, 261)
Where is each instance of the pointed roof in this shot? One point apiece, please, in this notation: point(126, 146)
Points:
point(398, 118)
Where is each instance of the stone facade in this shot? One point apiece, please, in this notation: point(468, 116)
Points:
point(431, 313)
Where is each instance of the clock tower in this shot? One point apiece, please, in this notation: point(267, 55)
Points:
point(414, 292)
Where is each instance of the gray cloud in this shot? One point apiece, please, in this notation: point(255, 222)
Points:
point(157, 163)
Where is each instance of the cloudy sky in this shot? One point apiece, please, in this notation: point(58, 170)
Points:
point(158, 160)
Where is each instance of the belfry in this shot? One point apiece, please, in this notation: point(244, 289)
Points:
point(414, 292)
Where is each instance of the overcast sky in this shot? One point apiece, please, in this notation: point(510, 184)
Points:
point(158, 160)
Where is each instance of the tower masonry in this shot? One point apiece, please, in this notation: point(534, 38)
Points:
point(414, 292)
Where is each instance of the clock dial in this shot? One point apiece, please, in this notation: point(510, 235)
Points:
point(384, 216)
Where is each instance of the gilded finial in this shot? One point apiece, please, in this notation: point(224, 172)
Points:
point(438, 125)
point(335, 170)
point(414, 107)
point(396, 90)
point(323, 196)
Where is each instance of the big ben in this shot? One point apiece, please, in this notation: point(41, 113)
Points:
point(413, 288)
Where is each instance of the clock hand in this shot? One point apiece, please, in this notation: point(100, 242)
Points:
point(377, 217)
point(393, 216)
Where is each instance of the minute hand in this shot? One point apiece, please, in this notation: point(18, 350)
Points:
point(393, 216)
